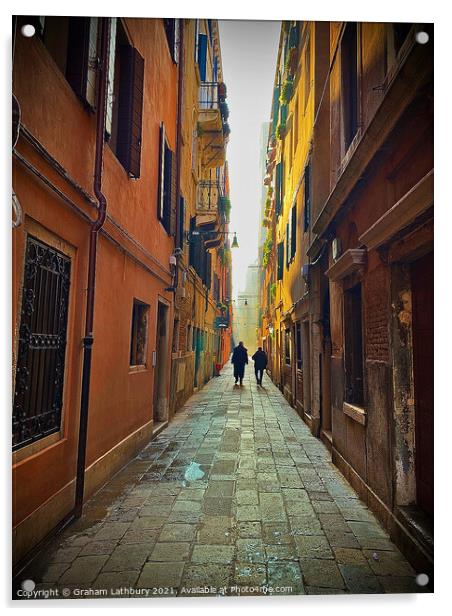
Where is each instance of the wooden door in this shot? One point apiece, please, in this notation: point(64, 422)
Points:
point(422, 297)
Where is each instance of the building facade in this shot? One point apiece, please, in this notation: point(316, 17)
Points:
point(354, 184)
point(203, 294)
point(98, 265)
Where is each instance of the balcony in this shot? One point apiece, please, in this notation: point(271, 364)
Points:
point(212, 131)
point(208, 197)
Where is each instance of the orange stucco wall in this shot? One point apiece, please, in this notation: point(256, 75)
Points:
point(133, 252)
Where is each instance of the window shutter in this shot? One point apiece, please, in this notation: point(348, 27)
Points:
point(161, 190)
point(181, 222)
point(111, 76)
point(278, 190)
point(176, 40)
point(173, 194)
point(208, 277)
point(294, 232)
point(93, 32)
point(130, 109)
point(202, 55)
point(307, 197)
point(167, 189)
point(196, 38)
point(280, 260)
point(172, 35)
point(78, 54)
point(288, 244)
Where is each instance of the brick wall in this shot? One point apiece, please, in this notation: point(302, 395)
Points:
point(376, 317)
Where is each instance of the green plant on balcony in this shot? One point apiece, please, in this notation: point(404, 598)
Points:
point(270, 191)
point(290, 65)
point(286, 91)
point(222, 307)
point(225, 207)
point(225, 256)
point(273, 290)
point(267, 223)
point(224, 110)
point(280, 130)
point(267, 250)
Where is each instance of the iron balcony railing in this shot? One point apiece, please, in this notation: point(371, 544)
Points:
point(209, 193)
point(208, 95)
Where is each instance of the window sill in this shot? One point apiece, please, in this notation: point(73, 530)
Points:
point(356, 413)
point(135, 369)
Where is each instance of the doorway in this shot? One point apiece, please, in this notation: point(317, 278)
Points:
point(160, 399)
point(422, 300)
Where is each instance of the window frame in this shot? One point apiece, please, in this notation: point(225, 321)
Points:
point(134, 366)
point(353, 320)
point(35, 230)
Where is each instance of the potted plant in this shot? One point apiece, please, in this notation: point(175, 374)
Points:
point(286, 91)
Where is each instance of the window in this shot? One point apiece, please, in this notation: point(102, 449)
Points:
point(194, 148)
point(307, 75)
point(202, 56)
point(295, 128)
point(287, 346)
point(298, 344)
point(139, 334)
point(72, 43)
point(278, 189)
point(38, 396)
point(280, 256)
point(125, 100)
point(349, 85)
point(354, 392)
point(199, 258)
point(181, 222)
point(216, 288)
point(307, 197)
point(167, 187)
point(176, 335)
point(172, 36)
point(288, 245)
point(293, 235)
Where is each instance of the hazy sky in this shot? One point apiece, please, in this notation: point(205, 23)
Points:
point(248, 52)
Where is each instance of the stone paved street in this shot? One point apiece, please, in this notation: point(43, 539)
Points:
point(235, 494)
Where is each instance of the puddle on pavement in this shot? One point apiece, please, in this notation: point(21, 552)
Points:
point(193, 472)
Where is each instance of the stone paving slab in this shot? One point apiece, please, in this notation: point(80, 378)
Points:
point(237, 497)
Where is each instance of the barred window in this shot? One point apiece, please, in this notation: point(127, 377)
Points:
point(38, 395)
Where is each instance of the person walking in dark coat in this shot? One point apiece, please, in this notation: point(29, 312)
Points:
point(239, 359)
point(260, 363)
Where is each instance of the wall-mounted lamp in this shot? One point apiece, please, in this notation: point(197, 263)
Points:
point(196, 232)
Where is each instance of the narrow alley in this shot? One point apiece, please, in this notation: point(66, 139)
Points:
point(235, 497)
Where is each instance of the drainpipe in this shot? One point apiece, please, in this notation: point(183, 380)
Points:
point(88, 340)
point(180, 92)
